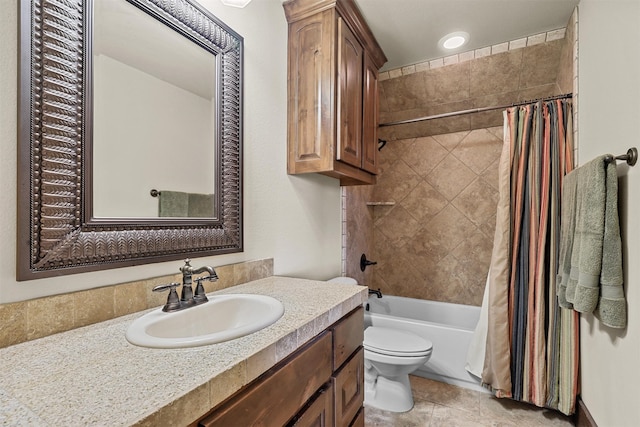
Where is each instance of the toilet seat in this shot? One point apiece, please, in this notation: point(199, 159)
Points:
point(394, 342)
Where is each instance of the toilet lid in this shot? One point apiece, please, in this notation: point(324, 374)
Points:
point(395, 342)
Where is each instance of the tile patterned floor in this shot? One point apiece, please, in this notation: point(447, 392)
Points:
point(442, 405)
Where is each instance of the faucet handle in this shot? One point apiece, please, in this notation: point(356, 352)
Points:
point(200, 295)
point(173, 302)
point(170, 286)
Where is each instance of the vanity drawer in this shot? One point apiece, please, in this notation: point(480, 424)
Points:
point(348, 389)
point(277, 395)
point(348, 335)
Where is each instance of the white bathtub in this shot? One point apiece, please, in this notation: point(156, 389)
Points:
point(448, 326)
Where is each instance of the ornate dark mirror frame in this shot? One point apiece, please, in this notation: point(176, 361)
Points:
point(57, 234)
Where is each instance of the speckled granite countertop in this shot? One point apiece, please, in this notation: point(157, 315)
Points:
point(94, 376)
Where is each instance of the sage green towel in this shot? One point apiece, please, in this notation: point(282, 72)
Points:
point(567, 231)
point(612, 307)
point(185, 205)
point(586, 258)
point(173, 204)
point(590, 244)
point(571, 279)
point(200, 205)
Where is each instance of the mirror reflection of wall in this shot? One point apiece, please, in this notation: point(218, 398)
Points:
point(154, 113)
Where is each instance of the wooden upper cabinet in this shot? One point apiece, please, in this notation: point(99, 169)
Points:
point(309, 99)
point(349, 96)
point(370, 117)
point(333, 64)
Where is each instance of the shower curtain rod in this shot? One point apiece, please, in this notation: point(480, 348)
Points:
point(474, 110)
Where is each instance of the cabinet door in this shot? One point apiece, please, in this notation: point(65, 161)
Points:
point(359, 420)
point(370, 117)
point(348, 387)
point(319, 413)
point(310, 103)
point(349, 97)
point(348, 336)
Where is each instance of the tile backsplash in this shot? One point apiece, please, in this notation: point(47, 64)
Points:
point(28, 320)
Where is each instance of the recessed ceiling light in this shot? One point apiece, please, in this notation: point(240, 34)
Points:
point(454, 40)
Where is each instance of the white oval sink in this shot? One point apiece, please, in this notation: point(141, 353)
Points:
point(223, 318)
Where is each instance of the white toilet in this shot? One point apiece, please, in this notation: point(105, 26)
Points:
point(390, 355)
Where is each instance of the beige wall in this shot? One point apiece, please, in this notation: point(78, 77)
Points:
point(608, 115)
point(293, 219)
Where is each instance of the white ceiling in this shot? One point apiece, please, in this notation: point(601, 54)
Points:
point(409, 30)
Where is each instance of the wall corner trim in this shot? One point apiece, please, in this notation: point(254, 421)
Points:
point(582, 417)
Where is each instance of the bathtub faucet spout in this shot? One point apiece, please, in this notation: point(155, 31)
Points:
point(378, 293)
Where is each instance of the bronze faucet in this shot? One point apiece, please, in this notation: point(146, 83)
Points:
point(187, 298)
point(378, 292)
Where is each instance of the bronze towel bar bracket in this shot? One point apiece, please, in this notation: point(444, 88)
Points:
point(631, 157)
point(154, 193)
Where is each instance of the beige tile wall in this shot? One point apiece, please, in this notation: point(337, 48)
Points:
point(28, 320)
point(503, 78)
point(435, 241)
point(358, 231)
point(567, 54)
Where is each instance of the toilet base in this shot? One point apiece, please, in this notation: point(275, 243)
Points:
point(387, 393)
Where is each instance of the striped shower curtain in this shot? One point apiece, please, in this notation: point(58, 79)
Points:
point(532, 343)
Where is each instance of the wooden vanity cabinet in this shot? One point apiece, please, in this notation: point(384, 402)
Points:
point(333, 62)
point(321, 384)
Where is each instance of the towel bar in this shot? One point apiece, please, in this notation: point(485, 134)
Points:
point(154, 193)
point(631, 157)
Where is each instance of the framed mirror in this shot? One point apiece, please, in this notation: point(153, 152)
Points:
point(130, 135)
